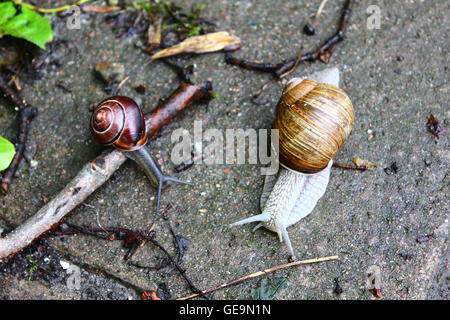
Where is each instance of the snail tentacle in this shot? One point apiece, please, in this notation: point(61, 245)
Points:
point(258, 218)
point(148, 163)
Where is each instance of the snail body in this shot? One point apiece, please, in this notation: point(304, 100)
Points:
point(118, 121)
point(314, 118)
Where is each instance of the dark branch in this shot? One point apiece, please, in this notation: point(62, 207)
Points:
point(26, 114)
point(322, 53)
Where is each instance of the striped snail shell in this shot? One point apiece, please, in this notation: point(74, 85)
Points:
point(314, 118)
point(119, 121)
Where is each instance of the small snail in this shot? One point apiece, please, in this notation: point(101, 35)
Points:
point(119, 121)
point(314, 118)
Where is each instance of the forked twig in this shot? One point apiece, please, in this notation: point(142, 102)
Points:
point(322, 53)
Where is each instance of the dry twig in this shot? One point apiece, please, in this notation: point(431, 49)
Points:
point(260, 273)
point(26, 114)
point(322, 53)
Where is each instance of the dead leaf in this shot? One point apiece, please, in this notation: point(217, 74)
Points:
point(362, 162)
point(200, 44)
point(15, 79)
point(150, 295)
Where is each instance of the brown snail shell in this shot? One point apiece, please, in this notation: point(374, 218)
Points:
point(314, 120)
point(119, 121)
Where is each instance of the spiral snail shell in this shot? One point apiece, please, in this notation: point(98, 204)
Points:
point(118, 121)
point(314, 118)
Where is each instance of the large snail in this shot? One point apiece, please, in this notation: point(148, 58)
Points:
point(314, 118)
point(119, 121)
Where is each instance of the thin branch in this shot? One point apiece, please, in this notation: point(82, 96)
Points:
point(260, 273)
point(149, 229)
point(322, 5)
point(346, 166)
point(137, 238)
point(50, 10)
point(197, 291)
point(26, 114)
point(322, 53)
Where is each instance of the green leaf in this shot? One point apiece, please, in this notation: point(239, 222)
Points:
point(268, 290)
point(7, 152)
point(24, 23)
point(194, 31)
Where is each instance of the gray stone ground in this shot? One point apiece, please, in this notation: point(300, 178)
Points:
point(396, 77)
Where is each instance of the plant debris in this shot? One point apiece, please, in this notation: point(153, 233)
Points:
point(346, 166)
point(260, 273)
point(435, 128)
point(88, 178)
point(163, 291)
point(362, 162)
point(150, 295)
point(100, 9)
point(141, 89)
point(39, 260)
point(322, 53)
point(210, 42)
point(377, 292)
point(392, 169)
point(26, 115)
point(337, 287)
point(132, 239)
point(425, 238)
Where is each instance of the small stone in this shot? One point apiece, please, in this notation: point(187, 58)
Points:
point(64, 264)
point(309, 29)
point(141, 89)
point(110, 71)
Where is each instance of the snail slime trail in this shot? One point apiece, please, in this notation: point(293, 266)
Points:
point(118, 121)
